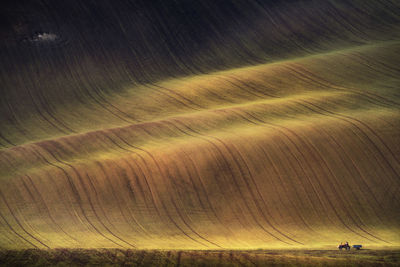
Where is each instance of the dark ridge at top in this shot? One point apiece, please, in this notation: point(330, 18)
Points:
point(119, 42)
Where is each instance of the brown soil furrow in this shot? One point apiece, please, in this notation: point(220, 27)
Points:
point(181, 193)
point(242, 88)
point(115, 233)
point(102, 102)
point(8, 141)
point(257, 190)
point(331, 205)
point(176, 207)
point(237, 185)
point(353, 165)
point(304, 169)
point(306, 77)
point(79, 199)
point(73, 188)
point(343, 197)
point(328, 84)
point(46, 107)
point(385, 65)
point(42, 115)
point(188, 134)
point(210, 206)
point(179, 95)
point(42, 202)
point(287, 195)
point(152, 86)
point(172, 201)
point(299, 163)
point(115, 196)
point(132, 195)
point(346, 162)
point(87, 194)
point(15, 232)
point(19, 223)
point(365, 134)
point(351, 216)
point(359, 58)
point(148, 186)
point(224, 166)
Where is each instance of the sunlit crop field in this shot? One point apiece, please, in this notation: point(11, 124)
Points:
point(200, 125)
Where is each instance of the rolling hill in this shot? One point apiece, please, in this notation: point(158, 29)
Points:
point(199, 124)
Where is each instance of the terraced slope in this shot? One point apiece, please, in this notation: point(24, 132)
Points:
point(196, 125)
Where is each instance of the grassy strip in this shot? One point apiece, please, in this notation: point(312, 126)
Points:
point(116, 257)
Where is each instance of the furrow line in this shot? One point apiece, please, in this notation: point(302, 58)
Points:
point(19, 223)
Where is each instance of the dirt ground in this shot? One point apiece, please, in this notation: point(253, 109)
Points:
point(115, 257)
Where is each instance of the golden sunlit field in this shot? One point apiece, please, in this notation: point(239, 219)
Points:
point(266, 128)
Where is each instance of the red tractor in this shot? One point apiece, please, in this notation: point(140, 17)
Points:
point(345, 246)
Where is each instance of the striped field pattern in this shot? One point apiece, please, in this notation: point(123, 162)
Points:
point(199, 125)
